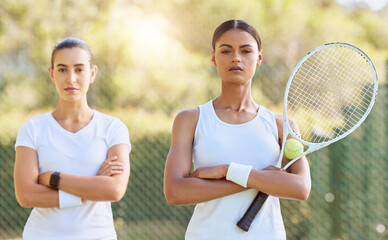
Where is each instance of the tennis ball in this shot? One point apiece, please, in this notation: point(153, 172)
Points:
point(293, 148)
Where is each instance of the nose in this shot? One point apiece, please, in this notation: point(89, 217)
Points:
point(236, 58)
point(71, 77)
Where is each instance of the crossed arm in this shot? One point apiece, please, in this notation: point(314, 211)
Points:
point(32, 189)
point(204, 184)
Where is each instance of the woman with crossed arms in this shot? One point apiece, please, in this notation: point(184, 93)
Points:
point(71, 162)
point(233, 143)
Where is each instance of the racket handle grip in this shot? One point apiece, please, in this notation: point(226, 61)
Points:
point(246, 221)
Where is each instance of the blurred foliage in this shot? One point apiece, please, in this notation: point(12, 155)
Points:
point(155, 55)
point(154, 59)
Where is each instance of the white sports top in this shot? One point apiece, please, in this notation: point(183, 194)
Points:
point(80, 153)
point(253, 143)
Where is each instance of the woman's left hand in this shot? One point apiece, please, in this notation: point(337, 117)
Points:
point(216, 172)
point(44, 178)
point(273, 168)
point(111, 167)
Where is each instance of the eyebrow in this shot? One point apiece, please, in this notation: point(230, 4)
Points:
point(76, 65)
point(230, 46)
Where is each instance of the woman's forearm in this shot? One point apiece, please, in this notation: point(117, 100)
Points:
point(280, 184)
point(191, 190)
point(37, 195)
point(94, 188)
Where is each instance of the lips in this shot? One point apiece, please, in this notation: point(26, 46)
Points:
point(71, 89)
point(235, 69)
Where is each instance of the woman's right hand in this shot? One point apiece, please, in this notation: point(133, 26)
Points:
point(111, 167)
point(216, 172)
point(273, 168)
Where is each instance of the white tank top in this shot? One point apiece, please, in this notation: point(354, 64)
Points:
point(253, 143)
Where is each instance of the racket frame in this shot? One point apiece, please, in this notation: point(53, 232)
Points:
point(312, 147)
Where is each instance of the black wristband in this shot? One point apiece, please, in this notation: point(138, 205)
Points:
point(54, 180)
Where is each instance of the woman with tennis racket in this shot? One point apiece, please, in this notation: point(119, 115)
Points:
point(71, 162)
point(234, 143)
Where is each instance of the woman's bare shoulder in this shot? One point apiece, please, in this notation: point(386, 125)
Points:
point(188, 116)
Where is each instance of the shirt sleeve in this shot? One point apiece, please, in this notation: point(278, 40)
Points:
point(25, 136)
point(119, 134)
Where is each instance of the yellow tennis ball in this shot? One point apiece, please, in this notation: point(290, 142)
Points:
point(293, 148)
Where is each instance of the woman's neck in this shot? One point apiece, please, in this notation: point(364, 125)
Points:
point(72, 111)
point(236, 97)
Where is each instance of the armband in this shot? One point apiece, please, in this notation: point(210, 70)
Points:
point(238, 173)
point(67, 200)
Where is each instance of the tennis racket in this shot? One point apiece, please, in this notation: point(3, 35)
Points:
point(329, 94)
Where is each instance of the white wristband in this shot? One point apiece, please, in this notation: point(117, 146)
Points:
point(68, 200)
point(238, 173)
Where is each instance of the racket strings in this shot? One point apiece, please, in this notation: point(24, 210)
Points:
point(327, 125)
point(334, 86)
point(361, 72)
point(308, 93)
point(337, 93)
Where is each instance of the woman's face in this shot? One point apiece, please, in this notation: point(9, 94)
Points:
point(236, 56)
point(72, 73)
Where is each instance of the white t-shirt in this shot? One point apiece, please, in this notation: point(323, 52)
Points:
point(252, 143)
point(81, 153)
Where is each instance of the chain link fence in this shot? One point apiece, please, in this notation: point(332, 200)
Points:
point(348, 199)
point(349, 178)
